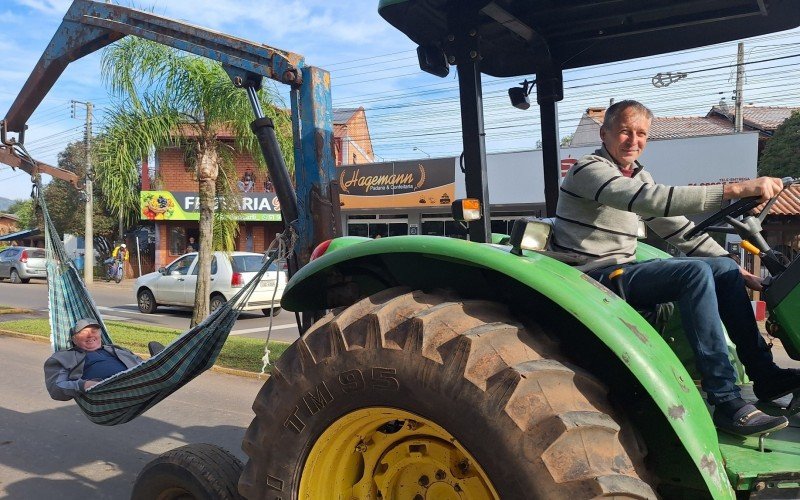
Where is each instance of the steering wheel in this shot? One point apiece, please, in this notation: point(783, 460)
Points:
point(733, 210)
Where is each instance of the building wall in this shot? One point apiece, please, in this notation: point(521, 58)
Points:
point(8, 225)
point(173, 174)
point(352, 143)
point(517, 177)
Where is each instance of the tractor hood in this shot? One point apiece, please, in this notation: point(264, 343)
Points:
point(518, 35)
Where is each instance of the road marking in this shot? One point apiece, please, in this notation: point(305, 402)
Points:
point(126, 311)
point(262, 330)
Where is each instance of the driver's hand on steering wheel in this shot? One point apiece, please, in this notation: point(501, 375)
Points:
point(763, 187)
point(752, 281)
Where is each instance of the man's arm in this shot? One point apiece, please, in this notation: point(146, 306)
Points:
point(763, 187)
point(595, 178)
point(56, 377)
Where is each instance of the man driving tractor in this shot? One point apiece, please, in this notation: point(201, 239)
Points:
point(602, 199)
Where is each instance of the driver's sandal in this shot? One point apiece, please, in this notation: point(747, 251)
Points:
point(748, 421)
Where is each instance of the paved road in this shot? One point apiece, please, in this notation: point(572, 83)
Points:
point(48, 449)
point(117, 302)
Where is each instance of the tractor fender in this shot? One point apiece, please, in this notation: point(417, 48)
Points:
point(353, 268)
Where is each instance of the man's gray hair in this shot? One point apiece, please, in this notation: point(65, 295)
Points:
point(615, 110)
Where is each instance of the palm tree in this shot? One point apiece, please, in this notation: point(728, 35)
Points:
point(166, 98)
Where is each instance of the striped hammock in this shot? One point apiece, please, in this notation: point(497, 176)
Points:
point(126, 395)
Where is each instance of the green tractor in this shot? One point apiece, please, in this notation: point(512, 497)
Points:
point(493, 368)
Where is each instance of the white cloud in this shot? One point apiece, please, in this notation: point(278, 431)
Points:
point(50, 7)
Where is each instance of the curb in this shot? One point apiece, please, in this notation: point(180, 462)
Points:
point(215, 368)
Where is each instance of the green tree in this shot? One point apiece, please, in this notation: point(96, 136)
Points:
point(23, 209)
point(166, 98)
point(781, 156)
point(65, 205)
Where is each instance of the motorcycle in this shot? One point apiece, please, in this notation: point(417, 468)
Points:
point(115, 269)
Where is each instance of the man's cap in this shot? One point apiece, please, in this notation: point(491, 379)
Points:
point(124, 245)
point(83, 323)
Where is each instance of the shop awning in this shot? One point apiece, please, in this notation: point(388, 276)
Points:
point(20, 235)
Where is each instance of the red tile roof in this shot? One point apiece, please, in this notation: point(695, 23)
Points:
point(674, 127)
point(764, 118)
point(788, 203)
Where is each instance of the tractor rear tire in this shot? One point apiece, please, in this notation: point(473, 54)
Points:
point(197, 471)
point(472, 402)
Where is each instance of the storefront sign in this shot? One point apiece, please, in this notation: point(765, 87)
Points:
point(417, 183)
point(168, 205)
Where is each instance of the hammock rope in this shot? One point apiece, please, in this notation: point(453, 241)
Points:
point(126, 395)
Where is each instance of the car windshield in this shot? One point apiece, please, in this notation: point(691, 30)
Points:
point(249, 263)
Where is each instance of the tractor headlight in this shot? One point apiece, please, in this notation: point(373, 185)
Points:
point(529, 233)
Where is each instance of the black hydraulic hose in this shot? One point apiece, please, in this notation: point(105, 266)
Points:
point(264, 130)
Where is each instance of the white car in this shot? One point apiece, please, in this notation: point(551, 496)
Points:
point(175, 284)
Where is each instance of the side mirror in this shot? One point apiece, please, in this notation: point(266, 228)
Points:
point(466, 210)
point(529, 233)
point(433, 60)
point(162, 270)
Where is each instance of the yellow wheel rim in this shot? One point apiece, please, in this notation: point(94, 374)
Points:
point(385, 453)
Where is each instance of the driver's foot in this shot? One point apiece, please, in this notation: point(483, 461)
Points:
point(155, 347)
point(777, 383)
point(748, 421)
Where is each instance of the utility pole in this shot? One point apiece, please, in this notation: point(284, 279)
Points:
point(738, 121)
point(88, 257)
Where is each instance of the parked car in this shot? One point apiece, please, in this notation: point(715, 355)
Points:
point(175, 284)
point(20, 264)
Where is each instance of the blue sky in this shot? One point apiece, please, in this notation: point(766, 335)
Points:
point(374, 66)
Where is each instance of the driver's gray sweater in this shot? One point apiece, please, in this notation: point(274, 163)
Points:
point(599, 210)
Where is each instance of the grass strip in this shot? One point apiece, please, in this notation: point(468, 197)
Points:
point(238, 353)
point(13, 310)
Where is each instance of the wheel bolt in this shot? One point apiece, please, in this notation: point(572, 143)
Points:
point(361, 447)
point(440, 474)
point(424, 480)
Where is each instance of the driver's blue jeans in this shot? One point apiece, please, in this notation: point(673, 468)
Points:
point(706, 289)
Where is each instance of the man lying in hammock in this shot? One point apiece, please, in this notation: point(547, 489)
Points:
point(71, 372)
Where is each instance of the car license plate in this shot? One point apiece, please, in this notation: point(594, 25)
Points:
point(267, 284)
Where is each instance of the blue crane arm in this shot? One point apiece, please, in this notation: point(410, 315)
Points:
point(89, 26)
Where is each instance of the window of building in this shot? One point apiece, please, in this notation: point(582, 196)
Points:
point(440, 225)
point(374, 226)
point(176, 240)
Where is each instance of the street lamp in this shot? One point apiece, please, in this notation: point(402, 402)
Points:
point(421, 151)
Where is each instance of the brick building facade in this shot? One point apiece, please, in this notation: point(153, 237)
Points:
point(175, 181)
point(351, 139)
point(169, 191)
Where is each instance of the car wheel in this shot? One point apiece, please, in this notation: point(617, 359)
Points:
point(15, 277)
point(146, 301)
point(217, 301)
point(271, 312)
